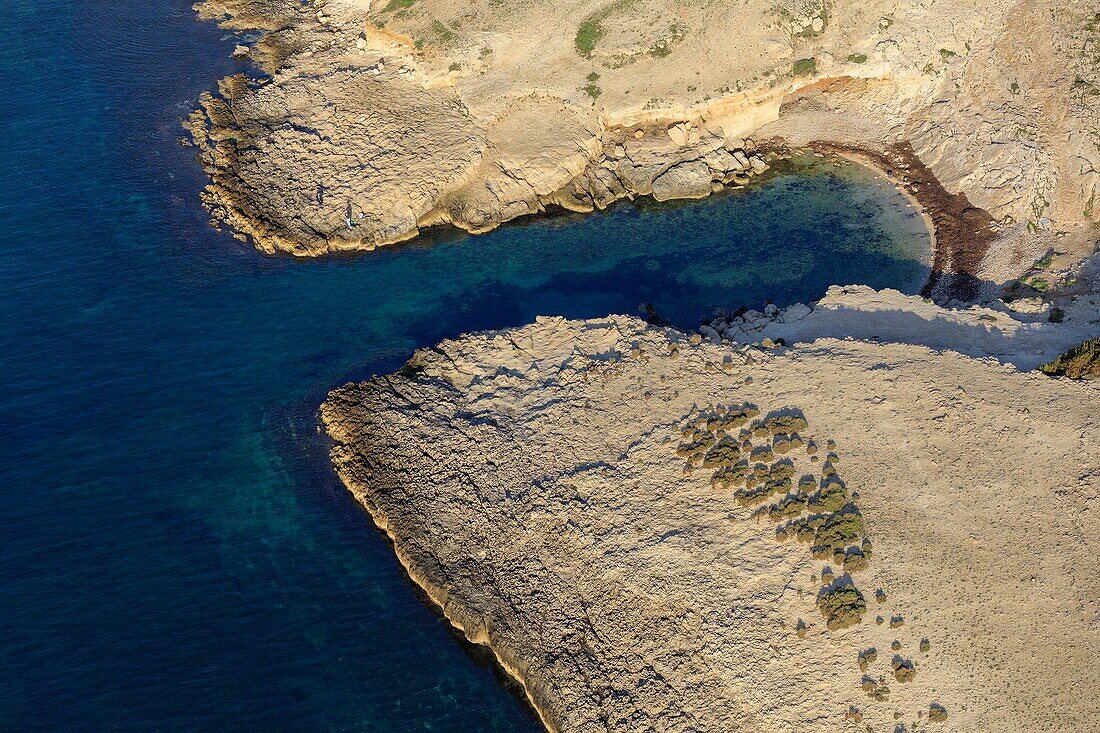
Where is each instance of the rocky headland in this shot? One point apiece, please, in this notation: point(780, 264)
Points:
point(867, 513)
point(374, 120)
point(657, 531)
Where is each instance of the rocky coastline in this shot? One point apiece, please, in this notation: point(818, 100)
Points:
point(864, 513)
point(373, 122)
point(558, 491)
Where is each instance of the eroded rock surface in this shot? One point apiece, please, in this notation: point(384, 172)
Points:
point(419, 112)
point(568, 493)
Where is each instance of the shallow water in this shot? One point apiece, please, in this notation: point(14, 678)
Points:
point(177, 554)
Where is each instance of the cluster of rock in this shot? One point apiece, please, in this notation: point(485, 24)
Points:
point(680, 162)
point(747, 327)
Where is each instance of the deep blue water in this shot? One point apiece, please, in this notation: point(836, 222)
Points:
point(176, 554)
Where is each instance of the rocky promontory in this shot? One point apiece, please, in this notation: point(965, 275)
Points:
point(657, 531)
point(374, 120)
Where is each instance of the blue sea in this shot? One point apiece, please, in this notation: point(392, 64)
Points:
point(176, 552)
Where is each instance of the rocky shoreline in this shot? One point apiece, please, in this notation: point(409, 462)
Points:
point(532, 484)
point(365, 130)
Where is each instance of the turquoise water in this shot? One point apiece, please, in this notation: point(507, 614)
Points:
point(176, 552)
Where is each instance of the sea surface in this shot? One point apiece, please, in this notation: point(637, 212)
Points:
point(176, 553)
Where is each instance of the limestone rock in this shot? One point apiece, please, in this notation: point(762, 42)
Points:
point(689, 180)
point(530, 482)
point(684, 134)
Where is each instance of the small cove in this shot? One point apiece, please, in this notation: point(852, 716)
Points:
point(179, 554)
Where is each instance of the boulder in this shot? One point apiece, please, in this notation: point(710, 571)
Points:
point(711, 335)
point(721, 161)
point(796, 312)
point(734, 143)
point(690, 180)
point(683, 133)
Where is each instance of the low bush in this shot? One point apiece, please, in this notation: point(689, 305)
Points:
point(838, 531)
point(1080, 362)
point(904, 671)
point(841, 604)
point(724, 452)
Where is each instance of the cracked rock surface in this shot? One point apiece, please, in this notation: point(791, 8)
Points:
point(530, 482)
point(381, 118)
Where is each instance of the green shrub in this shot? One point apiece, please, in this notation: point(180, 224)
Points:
point(780, 470)
point(790, 505)
point(858, 58)
point(762, 453)
point(588, 35)
point(832, 496)
point(842, 605)
point(837, 531)
point(854, 560)
point(725, 452)
point(937, 713)
point(730, 476)
point(805, 67)
point(1080, 362)
point(786, 424)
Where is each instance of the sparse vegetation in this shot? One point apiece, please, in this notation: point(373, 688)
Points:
point(875, 689)
point(937, 713)
point(393, 5)
point(866, 658)
point(1080, 362)
point(904, 671)
point(588, 35)
point(1038, 284)
point(842, 604)
point(591, 30)
point(805, 67)
point(858, 58)
point(445, 34)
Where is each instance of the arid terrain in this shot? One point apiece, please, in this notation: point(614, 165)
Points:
point(381, 118)
point(654, 532)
